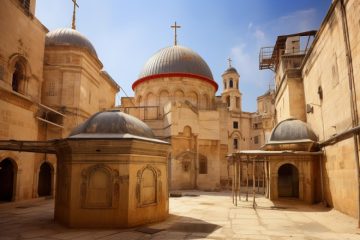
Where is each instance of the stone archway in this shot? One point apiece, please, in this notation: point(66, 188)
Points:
point(45, 180)
point(7, 180)
point(288, 181)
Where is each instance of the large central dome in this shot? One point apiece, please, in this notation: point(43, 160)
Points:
point(176, 61)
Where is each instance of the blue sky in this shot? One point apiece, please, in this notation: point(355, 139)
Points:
point(126, 33)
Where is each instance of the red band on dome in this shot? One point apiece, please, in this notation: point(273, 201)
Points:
point(163, 75)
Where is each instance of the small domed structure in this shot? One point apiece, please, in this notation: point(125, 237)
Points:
point(69, 37)
point(292, 130)
point(115, 171)
point(112, 124)
point(176, 61)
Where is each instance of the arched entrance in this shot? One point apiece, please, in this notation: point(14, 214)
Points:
point(45, 180)
point(7, 176)
point(288, 181)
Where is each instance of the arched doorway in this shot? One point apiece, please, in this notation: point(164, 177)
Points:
point(7, 176)
point(45, 180)
point(288, 181)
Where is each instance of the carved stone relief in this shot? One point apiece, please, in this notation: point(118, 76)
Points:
point(148, 187)
point(100, 187)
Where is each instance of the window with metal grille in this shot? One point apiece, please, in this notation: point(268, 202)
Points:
point(235, 125)
point(52, 89)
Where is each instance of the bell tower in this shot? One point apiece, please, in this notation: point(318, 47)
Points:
point(231, 94)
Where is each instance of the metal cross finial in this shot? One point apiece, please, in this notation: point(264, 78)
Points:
point(229, 60)
point(74, 15)
point(175, 28)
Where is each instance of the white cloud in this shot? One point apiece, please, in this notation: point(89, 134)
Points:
point(246, 63)
point(298, 21)
point(259, 35)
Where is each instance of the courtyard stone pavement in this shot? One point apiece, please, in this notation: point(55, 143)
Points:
point(195, 215)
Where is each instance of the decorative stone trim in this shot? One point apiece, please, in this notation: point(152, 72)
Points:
point(100, 187)
point(148, 187)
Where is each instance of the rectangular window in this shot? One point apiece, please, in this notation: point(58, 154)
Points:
point(256, 139)
point(235, 143)
point(235, 125)
point(202, 166)
point(52, 91)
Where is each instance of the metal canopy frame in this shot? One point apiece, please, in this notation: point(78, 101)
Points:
point(258, 158)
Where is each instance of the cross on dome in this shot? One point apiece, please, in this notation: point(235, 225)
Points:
point(175, 27)
point(73, 25)
point(229, 60)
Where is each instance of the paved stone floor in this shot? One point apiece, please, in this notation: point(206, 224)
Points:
point(199, 215)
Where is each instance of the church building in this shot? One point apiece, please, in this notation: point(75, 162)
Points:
point(175, 94)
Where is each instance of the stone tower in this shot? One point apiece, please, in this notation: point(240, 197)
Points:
point(231, 94)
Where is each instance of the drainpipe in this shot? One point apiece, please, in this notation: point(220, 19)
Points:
point(353, 104)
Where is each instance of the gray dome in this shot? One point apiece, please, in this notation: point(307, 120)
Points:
point(109, 123)
point(231, 70)
point(176, 59)
point(292, 130)
point(69, 37)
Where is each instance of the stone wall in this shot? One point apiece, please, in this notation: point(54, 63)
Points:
point(326, 69)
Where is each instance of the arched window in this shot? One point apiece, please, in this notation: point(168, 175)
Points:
point(231, 83)
point(18, 77)
point(193, 98)
point(163, 100)
point(151, 112)
point(205, 101)
point(187, 131)
point(179, 95)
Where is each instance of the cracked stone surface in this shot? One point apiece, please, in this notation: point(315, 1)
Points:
point(207, 216)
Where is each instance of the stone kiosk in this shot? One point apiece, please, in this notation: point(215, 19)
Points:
point(291, 162)
point(111, 172)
